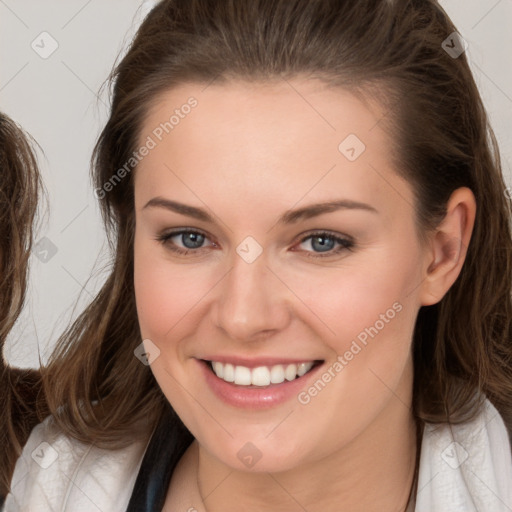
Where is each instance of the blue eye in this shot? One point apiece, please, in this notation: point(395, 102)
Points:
point(190, 239)
point(323, 243)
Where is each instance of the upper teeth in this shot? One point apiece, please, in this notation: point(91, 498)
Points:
point(262, 375)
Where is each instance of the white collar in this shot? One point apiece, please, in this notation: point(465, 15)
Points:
point(466, 468)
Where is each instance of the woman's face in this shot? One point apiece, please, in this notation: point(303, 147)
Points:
point(300, 248)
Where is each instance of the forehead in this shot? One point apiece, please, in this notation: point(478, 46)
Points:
point(284, 137)
point(257, 112)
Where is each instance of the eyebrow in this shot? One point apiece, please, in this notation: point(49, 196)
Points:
point(289, 217)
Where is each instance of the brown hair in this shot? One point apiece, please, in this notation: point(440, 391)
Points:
point(20, 188)
point(391, 49)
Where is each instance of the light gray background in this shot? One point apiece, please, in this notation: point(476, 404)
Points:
point(56, 99)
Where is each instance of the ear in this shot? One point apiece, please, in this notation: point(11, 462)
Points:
point(447, 247)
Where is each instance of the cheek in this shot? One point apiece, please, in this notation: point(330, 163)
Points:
point(370, 310)
point(156, 298)
point(374, 296)
point(169, 309)
point(168, 295)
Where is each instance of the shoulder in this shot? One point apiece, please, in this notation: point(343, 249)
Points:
point(56, 472)
point(468, 466)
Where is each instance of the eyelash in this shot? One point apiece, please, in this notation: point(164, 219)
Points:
point(345, 243)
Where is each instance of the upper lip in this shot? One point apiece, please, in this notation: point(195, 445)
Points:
point(260, 361)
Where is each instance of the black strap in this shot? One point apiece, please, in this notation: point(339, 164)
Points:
point(165, 448)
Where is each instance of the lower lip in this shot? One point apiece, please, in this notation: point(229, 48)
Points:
point(255, 397)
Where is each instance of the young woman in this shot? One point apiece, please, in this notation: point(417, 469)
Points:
point(310, 301)
point(20, 188)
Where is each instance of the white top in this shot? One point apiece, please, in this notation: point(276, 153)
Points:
point(464, 469)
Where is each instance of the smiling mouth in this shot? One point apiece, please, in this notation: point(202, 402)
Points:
point(261, 376)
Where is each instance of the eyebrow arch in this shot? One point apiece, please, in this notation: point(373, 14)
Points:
point(289, 217)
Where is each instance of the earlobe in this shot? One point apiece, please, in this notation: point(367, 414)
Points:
point(448, 246)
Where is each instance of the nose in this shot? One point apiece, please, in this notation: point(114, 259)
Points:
point(252, 302)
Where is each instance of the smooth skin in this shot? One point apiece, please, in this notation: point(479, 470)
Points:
point(247, 154)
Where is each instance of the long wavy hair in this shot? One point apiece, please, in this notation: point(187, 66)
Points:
point(20, 191)
point(389, 49)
